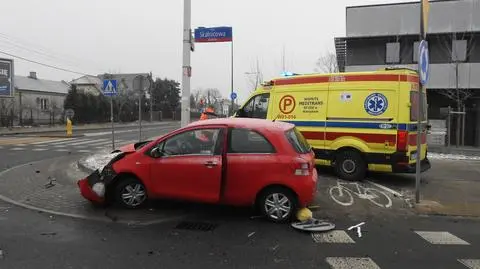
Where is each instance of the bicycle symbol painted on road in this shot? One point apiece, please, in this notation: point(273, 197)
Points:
point(342, 195)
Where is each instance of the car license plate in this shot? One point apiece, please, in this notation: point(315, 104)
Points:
point(413, 156)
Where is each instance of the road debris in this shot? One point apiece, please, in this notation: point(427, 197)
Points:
point(251, 234)
point(51, 182)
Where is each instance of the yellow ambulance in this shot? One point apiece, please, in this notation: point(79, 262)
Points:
point(355, 122)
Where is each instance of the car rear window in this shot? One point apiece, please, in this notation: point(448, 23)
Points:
point(298, 142)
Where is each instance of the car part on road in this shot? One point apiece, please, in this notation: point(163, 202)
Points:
point(278, 204)
point(349, 165)
point(313, 225)
point(130, 193)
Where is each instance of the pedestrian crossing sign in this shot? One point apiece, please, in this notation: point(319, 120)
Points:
point(110, 87)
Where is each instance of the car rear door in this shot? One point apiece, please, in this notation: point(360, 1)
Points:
point(190, 165)
point(251, 159)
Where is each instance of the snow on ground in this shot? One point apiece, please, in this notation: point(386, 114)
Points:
point(445, 156)
point(98, 161)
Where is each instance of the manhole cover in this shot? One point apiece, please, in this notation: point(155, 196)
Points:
point(196, 226)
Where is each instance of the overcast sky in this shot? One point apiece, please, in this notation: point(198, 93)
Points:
point(93, 37)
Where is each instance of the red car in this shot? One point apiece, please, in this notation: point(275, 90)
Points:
point(240, 162)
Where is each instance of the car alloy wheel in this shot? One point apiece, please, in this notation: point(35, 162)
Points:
point(278, 206)
point(133, 195)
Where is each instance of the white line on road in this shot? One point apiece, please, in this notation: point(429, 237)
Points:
point(67, 142)
point(88, 142)
point(105, 143)
point(351, 262)
point(51, 141)
point(84, 150)
point(17, 149)
point(39, 149)
point(396, 193)
point(335, 236)
point(441, 238)
point(61, 150)
point(470, 263)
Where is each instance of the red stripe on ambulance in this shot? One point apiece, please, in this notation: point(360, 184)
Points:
point(369, 138)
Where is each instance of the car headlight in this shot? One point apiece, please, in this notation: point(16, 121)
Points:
point(99, 189)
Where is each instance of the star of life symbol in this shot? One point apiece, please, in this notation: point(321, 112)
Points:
point(376, 104)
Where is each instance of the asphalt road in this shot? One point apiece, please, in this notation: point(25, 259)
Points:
point(37, 240)
point(16, 150)
point(29, 239)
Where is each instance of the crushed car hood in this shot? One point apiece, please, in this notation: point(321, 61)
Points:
point(132, 147)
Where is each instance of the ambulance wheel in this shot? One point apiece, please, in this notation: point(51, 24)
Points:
point(349, 165)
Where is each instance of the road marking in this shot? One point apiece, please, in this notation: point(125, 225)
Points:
point(470, 263)
point(385, 188)
point(351, 262)
point(87, 142)
point(441, 238)
point(60, 146)
point(100, 147)
point(23, 140)
point(61, 150)
point(335, 236)
point(39, 149)
point(105, 143)
point(51, 141)
point(17, 149)
point(84, 150)
point(69, 141)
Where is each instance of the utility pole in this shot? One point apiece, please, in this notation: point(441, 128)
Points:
point(151, 97)
point(186, 68)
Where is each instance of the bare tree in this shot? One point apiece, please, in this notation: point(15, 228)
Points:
point(327, 63)
point(212, 96)
point(458, 95)
point(255, 76)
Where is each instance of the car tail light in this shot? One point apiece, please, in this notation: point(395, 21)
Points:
point(302, 169)
point(402, 140)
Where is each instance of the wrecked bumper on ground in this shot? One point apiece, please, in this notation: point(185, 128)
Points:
point(94, 187)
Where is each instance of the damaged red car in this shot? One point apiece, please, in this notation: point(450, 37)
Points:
point(241, 162)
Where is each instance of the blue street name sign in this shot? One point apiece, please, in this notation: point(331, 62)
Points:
point(214, 34)
point(110, 87)
point(423, 62)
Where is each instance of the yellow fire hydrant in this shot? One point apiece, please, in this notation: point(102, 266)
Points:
point(69, 127)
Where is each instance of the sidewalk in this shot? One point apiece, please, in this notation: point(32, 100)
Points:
point(451, 187)
point(465, 151)
point(82, 127)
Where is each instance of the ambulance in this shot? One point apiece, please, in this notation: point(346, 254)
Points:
point(355, 122)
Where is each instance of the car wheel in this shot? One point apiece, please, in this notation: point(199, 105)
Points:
point(130, 193)
point(278, 204)
point(349, 165)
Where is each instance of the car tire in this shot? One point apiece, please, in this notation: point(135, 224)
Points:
point(130, 193)
point(350, 165)
point(277, 204)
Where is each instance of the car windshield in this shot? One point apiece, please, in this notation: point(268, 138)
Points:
point(298, 142)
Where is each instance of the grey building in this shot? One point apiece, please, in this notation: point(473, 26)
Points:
point(38, 101)
point(379, 36)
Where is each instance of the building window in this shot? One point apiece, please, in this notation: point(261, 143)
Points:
point(393, 53)
point(416, 44)
point(459, 50)
point(42, 103)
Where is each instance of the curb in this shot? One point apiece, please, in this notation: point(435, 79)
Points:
point(163, 123)
point(79, 216)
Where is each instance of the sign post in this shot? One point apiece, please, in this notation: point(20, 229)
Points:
point(186, 68)
point(110, 89)
point(423, 71)
point(218, 34)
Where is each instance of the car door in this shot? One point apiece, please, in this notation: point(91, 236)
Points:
point(189, 165)
point(251, 159)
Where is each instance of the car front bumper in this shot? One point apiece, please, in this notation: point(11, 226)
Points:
point(91, 188)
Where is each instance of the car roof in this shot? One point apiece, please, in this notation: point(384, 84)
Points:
point(246, 123)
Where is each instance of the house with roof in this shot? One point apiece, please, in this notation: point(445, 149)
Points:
point(88, 84)
point(39, 101)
